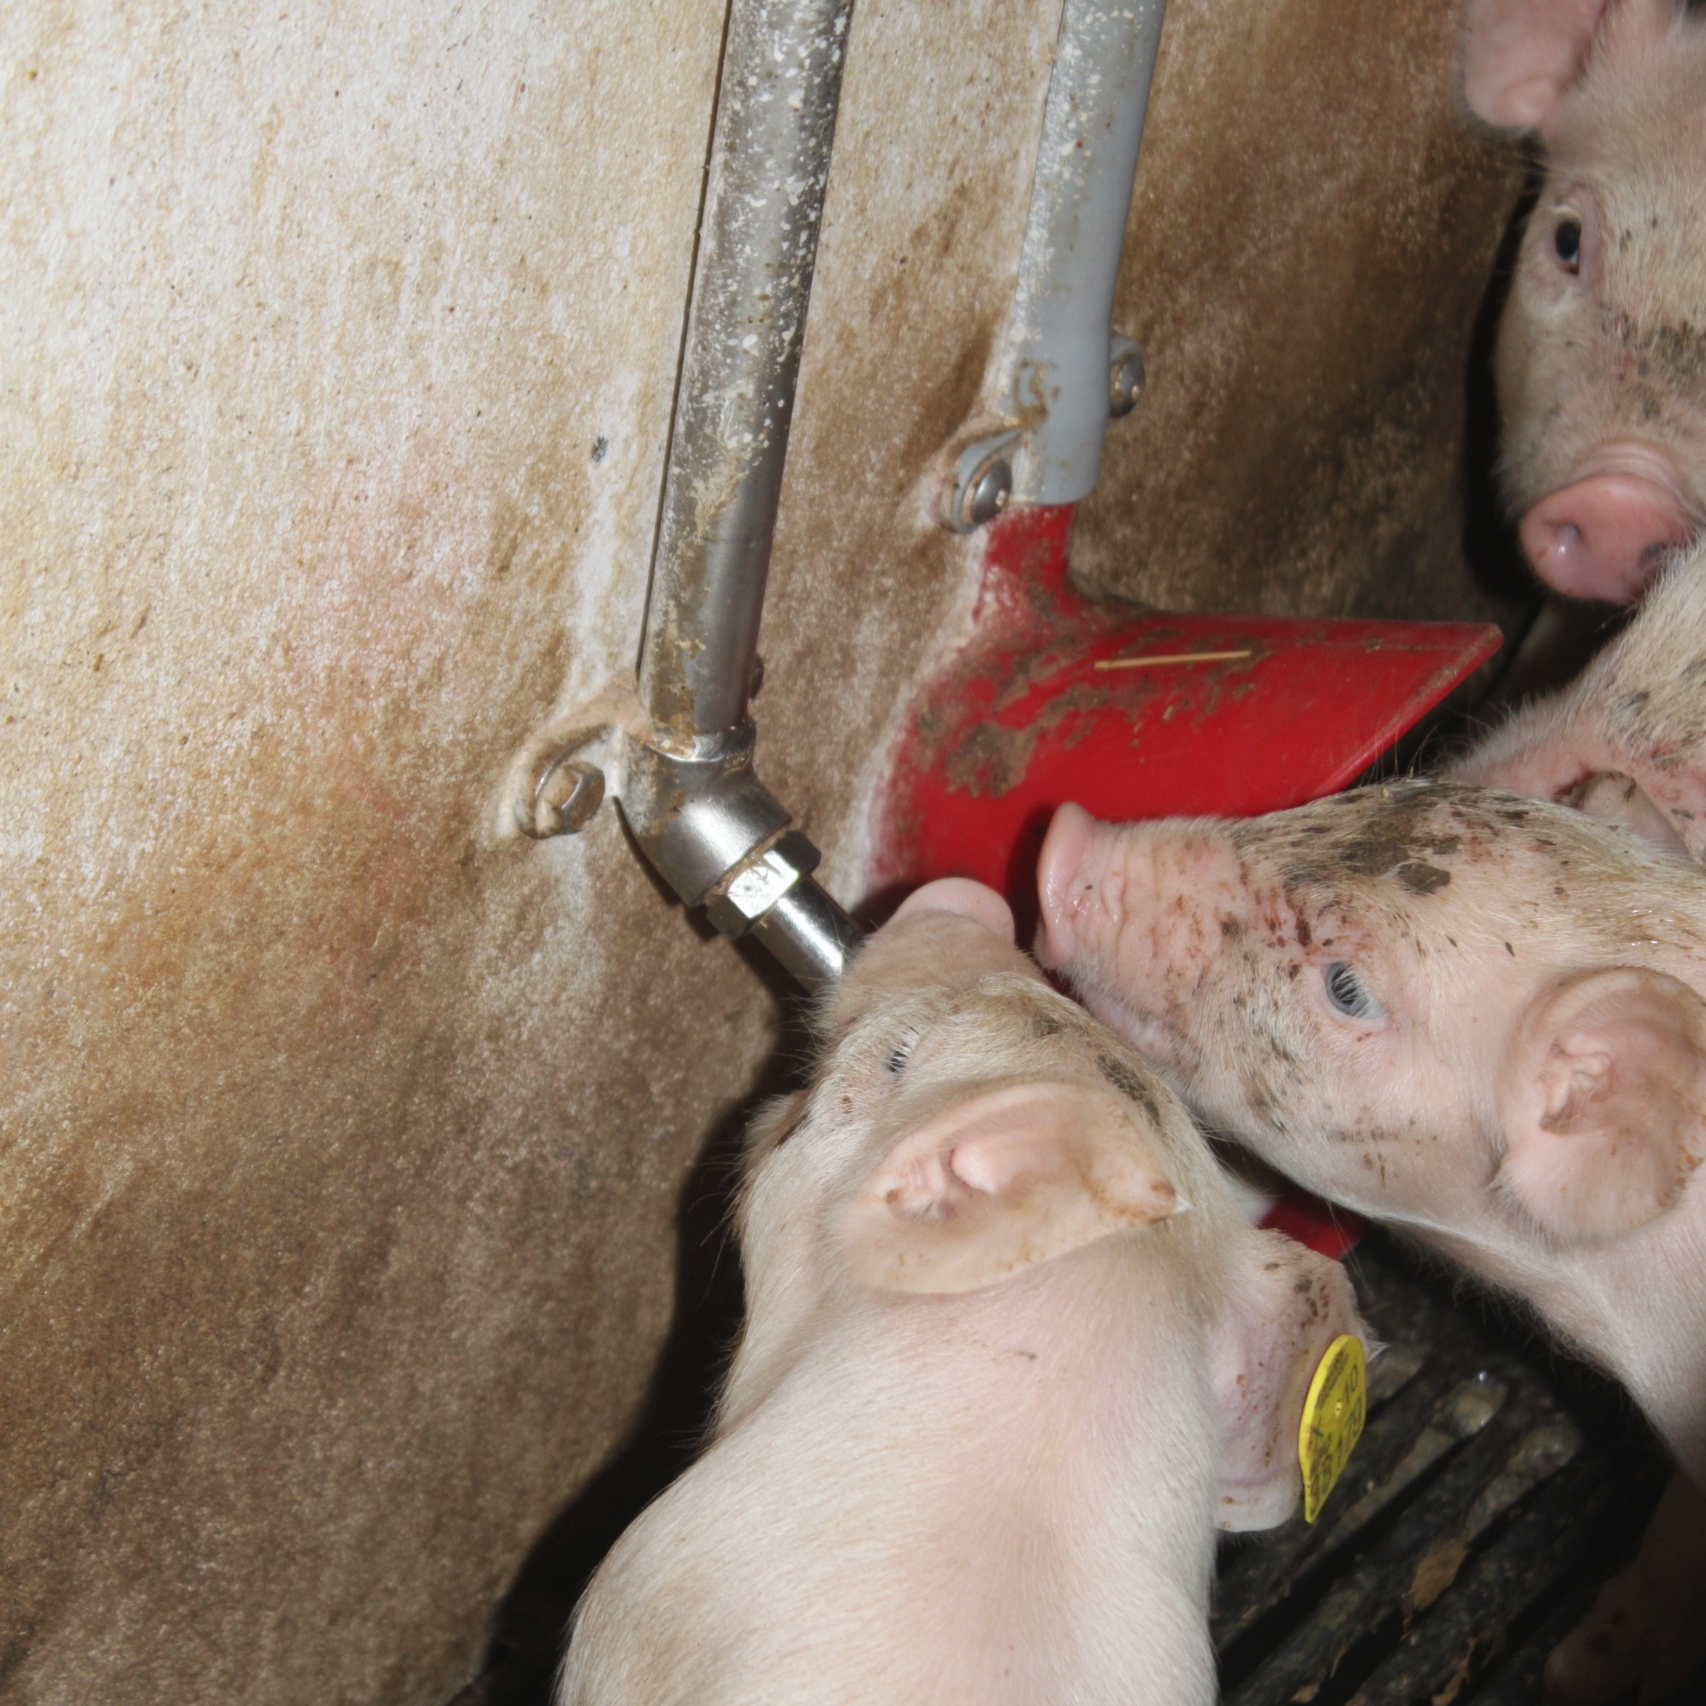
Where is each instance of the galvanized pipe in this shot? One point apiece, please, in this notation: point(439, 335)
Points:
point(781, 82)
point(698, 811)
point(1062, 372)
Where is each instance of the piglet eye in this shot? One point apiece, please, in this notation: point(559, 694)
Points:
point(898, 1056)
point(1346, 992)
point(1567, 244)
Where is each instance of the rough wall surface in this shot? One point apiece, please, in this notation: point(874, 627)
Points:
point(321, 1134)
point(340, 1137)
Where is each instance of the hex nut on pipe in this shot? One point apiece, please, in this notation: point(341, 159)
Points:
point(758, 882)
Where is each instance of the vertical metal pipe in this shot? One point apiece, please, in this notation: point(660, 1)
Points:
point(1061, 371)
point(781, 81)
point(697, 809)
point(1057, 332)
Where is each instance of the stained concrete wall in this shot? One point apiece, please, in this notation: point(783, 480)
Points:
point(341, 1136)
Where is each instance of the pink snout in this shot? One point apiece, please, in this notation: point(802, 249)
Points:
point(1605, 536)
point(1059, 880)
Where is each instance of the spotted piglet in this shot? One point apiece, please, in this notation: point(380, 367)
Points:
point(1476, 1016)
point(1011, 1356)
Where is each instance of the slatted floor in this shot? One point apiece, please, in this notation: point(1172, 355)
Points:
point(1492, 1492)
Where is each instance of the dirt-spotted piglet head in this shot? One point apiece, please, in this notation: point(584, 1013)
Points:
point(1448, 1006)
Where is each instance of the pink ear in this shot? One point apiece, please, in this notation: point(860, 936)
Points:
point(1286, 1308)
point(1604, 1102)
point(1000, 1182)
point(1519, 56)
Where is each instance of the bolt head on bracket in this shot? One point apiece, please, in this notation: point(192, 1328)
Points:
point(565, 797)
point(1126, 376)
point(981, 483)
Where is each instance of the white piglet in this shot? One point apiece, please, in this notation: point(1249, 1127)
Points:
point(1601, 356)
point(1476, 1016)
point(1011, 1356)
point(1626, 743)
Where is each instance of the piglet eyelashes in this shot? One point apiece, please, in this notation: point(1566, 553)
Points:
point(1348, 994)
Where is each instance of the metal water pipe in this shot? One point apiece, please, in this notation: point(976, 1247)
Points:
point(680, 765)
point(1061, 372)
point(682, 771)
point(713, 830)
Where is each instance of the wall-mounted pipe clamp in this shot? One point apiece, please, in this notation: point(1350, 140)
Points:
point(1061, 372)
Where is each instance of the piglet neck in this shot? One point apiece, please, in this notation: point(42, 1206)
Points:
point(1656, 1297)
point(1637, 1306)
point(1040, 1388)
point(1042, 1350)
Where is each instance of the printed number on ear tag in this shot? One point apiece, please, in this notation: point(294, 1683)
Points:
point(1333, 1415)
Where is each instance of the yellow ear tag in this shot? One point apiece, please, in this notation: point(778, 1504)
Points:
point(1333, 1415)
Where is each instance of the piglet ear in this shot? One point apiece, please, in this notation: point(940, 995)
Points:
point(1285, 1309)
point(1000, 1182)
point(1519, 56)
point(1604, 1102)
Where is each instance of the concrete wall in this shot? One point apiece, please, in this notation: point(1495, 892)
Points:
point(341, 1136)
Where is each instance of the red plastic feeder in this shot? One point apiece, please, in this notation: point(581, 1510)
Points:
point(1055, 698)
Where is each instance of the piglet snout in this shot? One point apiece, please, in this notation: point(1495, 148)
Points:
point(1062, 880)
point(1605, 535)
point(960, 895)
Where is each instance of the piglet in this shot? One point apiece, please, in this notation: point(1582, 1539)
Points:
point(1475, 1016)
point(1011, 1355)
point(1626, 743)
point(1601, 355)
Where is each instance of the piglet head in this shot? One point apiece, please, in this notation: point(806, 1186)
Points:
point(1604, 457)
point(997, 1136)
point(970, 1130)
point(1432, 1002)
point(1024, 1174)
